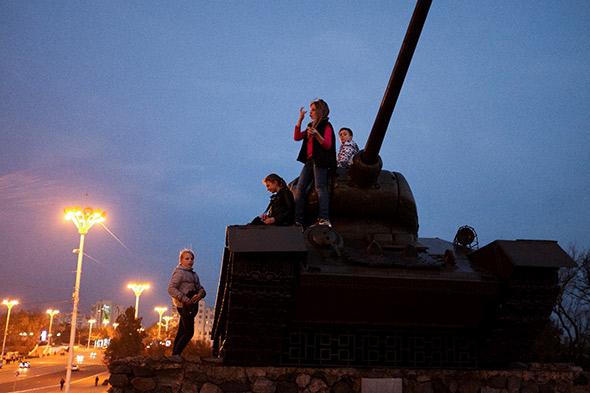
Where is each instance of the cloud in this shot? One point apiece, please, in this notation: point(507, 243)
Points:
point(24, 189)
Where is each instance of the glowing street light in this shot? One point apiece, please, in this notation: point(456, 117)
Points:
point(167, 318)
point(83, 219)
point(160, 310)
point(51, 313)
point(115, 324)
point(91, 322)
point(8, 303)
point(138, 288)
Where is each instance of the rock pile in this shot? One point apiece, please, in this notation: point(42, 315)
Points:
point(176, 375)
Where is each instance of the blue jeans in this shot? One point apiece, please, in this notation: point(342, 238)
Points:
point(319, 176)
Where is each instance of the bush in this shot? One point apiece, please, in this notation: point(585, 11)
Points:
point(198, 348)
point(129, 337)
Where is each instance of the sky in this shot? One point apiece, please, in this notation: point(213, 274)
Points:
point(168, 114)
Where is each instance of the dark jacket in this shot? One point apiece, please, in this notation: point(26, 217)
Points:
point(282, 207)
point(323, 158)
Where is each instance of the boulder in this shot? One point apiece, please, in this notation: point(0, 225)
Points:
point(317, 385)
point(264, 385)
point(210, 388)
point(118, 380)
point(302, 380)
point(142, 384)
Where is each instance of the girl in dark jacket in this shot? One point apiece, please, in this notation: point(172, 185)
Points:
point(281, 209)
point(318, 154)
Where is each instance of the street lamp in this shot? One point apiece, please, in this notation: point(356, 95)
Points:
point(115, 324)
point(51, 313)
point(8, 303)
point(138, 288)
point(91, 322)
point(167, 318)
point(160, 310)
point(83, 219)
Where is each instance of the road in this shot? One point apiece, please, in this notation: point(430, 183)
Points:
point(45, 373)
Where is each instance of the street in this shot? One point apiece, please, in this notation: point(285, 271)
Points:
point(45, 373)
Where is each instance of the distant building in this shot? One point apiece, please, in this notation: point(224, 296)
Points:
point(204, 322)
point(105, 312)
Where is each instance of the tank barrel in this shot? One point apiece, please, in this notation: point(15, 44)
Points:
point(370, 155)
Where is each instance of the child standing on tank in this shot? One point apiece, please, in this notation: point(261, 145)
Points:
point(348, 148)
point(318, 155)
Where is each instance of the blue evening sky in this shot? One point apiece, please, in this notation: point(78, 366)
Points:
point(168, 114)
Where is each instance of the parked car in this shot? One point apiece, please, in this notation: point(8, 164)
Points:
point(75, 367)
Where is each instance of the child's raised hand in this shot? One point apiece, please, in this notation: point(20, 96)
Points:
point(302, 113)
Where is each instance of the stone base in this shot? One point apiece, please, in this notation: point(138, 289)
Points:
point(142, 374)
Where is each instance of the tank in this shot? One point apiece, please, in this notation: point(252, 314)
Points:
point(368, 291)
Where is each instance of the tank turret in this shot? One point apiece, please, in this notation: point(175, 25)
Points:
point(368, 291)
point(368, 202)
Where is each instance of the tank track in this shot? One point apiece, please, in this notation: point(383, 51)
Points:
point(258, 297)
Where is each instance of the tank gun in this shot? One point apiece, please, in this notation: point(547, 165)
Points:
point(367, 163)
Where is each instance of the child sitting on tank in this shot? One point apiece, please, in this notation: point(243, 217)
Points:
point(281, 209)
point(348, 148)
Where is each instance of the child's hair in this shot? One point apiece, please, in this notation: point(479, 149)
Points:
point(273, 177)
point(346, 129)
point(322, 108)
point(185, 251)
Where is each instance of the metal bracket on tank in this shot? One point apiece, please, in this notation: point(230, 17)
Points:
point(324, 237)
point(375, 248)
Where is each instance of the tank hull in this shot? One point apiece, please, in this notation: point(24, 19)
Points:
point(293, 306)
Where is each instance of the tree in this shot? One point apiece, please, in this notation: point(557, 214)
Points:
point(152, 332)
point(23, 329)
point(572, 309)
point(129, 337)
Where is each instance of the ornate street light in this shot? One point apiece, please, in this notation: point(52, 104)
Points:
point(52, 313)
point(138, 288)
point(160, 310)
point(8, 303)
point(83, 219)
point(91, 322)
point(167, 318)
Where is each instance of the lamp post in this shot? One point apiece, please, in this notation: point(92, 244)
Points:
point(138, 288)
point(51, 313)
point(8, 303)
point(160, 310)
point(83, 219)
point(91, 322)
point(167, 318)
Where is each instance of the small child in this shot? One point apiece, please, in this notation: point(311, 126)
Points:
point(348, 148)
